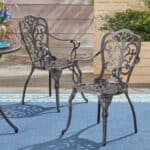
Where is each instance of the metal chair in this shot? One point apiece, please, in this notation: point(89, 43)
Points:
point(35, 36)
point(119, 55)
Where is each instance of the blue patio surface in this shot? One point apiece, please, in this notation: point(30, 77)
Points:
point(40, 126)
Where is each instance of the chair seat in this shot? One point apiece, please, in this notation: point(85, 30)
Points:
point(103, 88)
point(56, 64)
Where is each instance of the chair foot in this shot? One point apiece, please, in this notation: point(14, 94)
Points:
point(63, 132)
point(58, 110)
point(98, 121)
point(22, 103)
point(86, 100)
point(16, 130)
point(103, 144)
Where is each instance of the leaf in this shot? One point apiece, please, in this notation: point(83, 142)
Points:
point(137, 21)
point(2, 5)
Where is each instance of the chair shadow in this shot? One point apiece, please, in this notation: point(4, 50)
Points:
point(29, 110)
point(26, 111)
point(4, 134)
point(71, 143)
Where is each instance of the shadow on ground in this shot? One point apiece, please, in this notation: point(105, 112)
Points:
point(73, 142)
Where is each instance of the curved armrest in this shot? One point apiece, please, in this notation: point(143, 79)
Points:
point(56, 38)
point(88, 58)
point(137, 60)
point(76, 45)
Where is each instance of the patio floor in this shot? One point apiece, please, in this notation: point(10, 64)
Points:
point(40, 126)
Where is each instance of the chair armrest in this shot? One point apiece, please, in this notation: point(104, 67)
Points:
point(77, 73)
point(137, 60)
point(60, 39)
point(76, 45)
point(88, 58)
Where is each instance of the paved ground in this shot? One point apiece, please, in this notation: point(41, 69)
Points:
point(40, 127)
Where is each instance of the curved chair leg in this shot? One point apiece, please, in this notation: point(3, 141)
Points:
point(50, 84)
point(80, 75)
point(86, 100)
point(105, 102)
point(70, 111)
point(133, 112)
point(8, 121)
point(26, 83)
point(98, 110)
point(105, 116)
point(57, 94)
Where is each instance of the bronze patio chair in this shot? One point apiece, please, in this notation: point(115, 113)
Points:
point(35, 35)
point(119, 54)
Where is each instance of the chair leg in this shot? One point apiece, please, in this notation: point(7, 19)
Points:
point(86, 100)
point(8, 121)
point(105, 116)
point(50, 84)
point(98, 110)
point(76, 67)
point(57, 94)
point(26, 83)
point(70, 111)
point(133, 112)
point(105, 102)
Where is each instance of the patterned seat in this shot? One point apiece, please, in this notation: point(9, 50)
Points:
point(105, 87)
point(56, 64)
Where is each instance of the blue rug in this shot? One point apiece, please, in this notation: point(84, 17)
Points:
point(40, 126)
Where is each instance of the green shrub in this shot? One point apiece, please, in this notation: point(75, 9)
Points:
point(147, 3)
point(137, 21)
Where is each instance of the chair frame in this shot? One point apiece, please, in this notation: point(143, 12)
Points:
point(38, 36)
point(8, 120)
point(106, 90)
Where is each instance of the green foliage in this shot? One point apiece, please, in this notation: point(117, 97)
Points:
point(147, 3)
point(2, 5)
point(137, 21)
point(91, 2)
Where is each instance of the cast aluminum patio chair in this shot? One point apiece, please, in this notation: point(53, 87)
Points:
point(119, 55)
point(35, 35)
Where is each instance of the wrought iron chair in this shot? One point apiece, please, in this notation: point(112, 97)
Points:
point(119, 55)
point(35, 36)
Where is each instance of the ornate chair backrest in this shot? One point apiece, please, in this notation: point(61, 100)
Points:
point(35, 35)
point(119, 54)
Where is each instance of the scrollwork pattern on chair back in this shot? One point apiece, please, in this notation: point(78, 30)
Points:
point(34, 31)
point(120, 53)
